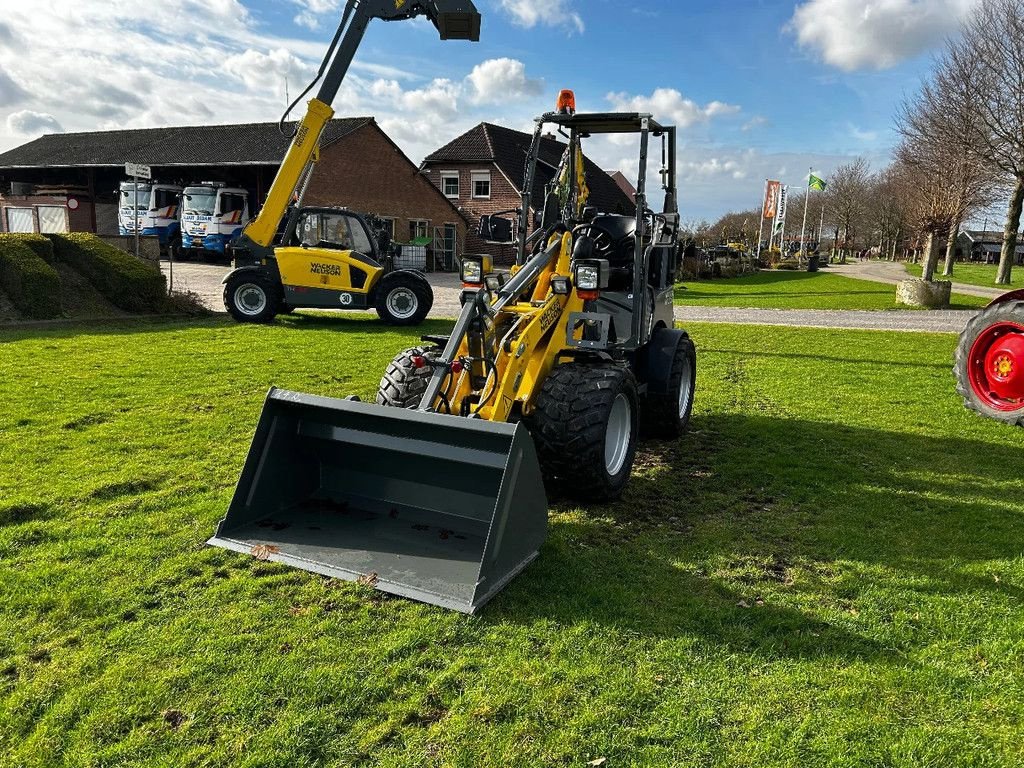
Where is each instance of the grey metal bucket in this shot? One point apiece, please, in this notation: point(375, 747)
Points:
point(436, 508)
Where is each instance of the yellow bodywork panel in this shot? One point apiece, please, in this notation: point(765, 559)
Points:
point(527, 351)
point(263, 228)
point(325, 268)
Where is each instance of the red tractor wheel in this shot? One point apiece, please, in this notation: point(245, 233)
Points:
point(990, 363)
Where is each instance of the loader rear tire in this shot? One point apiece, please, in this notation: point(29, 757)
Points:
point(668, 415)
point(403, 384)
point(585, 428)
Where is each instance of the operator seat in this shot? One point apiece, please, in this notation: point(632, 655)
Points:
point(621, 233)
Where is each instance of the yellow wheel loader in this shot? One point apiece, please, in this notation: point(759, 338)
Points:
point(552, 371)
point(326, 258)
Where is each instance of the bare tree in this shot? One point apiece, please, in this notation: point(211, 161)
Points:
point(942, 130)
point(847, 200)
point(995, 36)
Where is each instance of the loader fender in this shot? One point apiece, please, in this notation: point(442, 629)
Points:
point(654, 363)
point(250, 270)
point(1017, 295)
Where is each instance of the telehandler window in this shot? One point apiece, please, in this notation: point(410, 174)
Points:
point(334, 230)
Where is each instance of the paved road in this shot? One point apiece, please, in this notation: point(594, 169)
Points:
point(893, 272)
point(205, 280)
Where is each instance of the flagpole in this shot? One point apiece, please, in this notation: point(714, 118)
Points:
point(807, 199)
point(821, 226)
point(760, 216)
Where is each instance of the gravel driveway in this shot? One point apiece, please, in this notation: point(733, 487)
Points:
point(205, 280)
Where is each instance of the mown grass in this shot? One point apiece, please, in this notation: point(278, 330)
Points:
point(799, 290)
point(827, 570)
point(983, 275)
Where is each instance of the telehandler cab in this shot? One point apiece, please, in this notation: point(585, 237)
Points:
point(325, 259)
point(553, 369)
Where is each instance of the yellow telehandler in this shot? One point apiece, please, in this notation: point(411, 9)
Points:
point(553, 369)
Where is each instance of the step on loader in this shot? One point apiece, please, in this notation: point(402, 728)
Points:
point(552, 371)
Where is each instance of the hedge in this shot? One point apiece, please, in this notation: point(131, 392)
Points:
point(32, 285)
point(40, 245)
point(124, 280)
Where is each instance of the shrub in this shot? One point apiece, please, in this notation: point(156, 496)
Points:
point(40, 245)
point(32, 285)
point(126, 281)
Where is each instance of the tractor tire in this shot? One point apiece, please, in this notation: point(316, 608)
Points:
point(668, 415)
point(989, 363)
point(403, 299)
point(252, 298)
point(585, 427)
point(403, 384)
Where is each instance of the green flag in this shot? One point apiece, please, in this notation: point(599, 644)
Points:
point(816, 182)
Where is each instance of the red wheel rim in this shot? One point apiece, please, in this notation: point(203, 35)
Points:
point(996, 366)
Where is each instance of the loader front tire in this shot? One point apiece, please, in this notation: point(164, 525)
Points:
point(989, 363)
point(251, 298)
point(403, 384)
point(584, 427)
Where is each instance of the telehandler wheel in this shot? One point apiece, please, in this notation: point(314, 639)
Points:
point(403, 384)
point(668, 415)
point(403, 299)
point(585, 429)
point(989, 365)
point(251, 298)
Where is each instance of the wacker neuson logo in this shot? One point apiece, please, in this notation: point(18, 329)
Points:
point(325, 269)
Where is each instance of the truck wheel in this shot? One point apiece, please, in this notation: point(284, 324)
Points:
point(403, 384)
point(174, 248)
point(251, 299)
point(403, 299)
point(585, 429)
point(989, 365)
point(668, 415)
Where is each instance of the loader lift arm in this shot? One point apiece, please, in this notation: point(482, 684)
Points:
point(454, 20)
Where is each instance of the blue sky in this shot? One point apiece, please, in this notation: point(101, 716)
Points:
point(758, 88)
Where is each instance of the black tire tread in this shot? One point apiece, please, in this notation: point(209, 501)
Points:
point(568, 426)
point(273, 292)
point(403, 384)
point(659, 415)
point(1010, 310)
point(415, 283)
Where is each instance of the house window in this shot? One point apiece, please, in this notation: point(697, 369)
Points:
point(482, 184)
point(20, 220)
point(52, 218)
point(418, 228)
point(450, 183)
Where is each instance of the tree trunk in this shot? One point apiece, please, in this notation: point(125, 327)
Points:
point(951, 249)
point(895, 244)
point(1009, 253)
point(931, 258)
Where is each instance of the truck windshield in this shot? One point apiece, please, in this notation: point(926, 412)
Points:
point(201, 201)
point(128, 197)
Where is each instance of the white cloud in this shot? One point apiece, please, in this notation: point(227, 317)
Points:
point(755, 122)
point(670, 106)
point(552, 13)
point(29, 123)
point(268, 70)
point(497, 80)
point(875, 34)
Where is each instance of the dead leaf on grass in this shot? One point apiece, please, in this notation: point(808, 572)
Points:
point(599, 762)
point(368, 579)
point(264, 551)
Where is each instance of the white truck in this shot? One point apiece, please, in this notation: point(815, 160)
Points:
point(212, 216)
point(153, 212)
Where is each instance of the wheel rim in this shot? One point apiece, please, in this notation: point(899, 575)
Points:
point(250, 299)
point(686, 389)
point(996, 366)
point(618, 434)
point(402, 303)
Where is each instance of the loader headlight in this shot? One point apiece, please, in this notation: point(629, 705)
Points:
point(591, 274)
point(560, 286)
point(474, 268)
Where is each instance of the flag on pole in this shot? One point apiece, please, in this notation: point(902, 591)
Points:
point(771, 199)
point(816, 182)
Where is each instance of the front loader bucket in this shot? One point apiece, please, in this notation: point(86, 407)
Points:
point(437, 508)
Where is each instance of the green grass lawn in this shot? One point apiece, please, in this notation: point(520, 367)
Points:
point(975, 274)
point(827, 570)
point(798, 290)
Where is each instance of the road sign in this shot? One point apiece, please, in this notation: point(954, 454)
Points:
point(141, 171)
